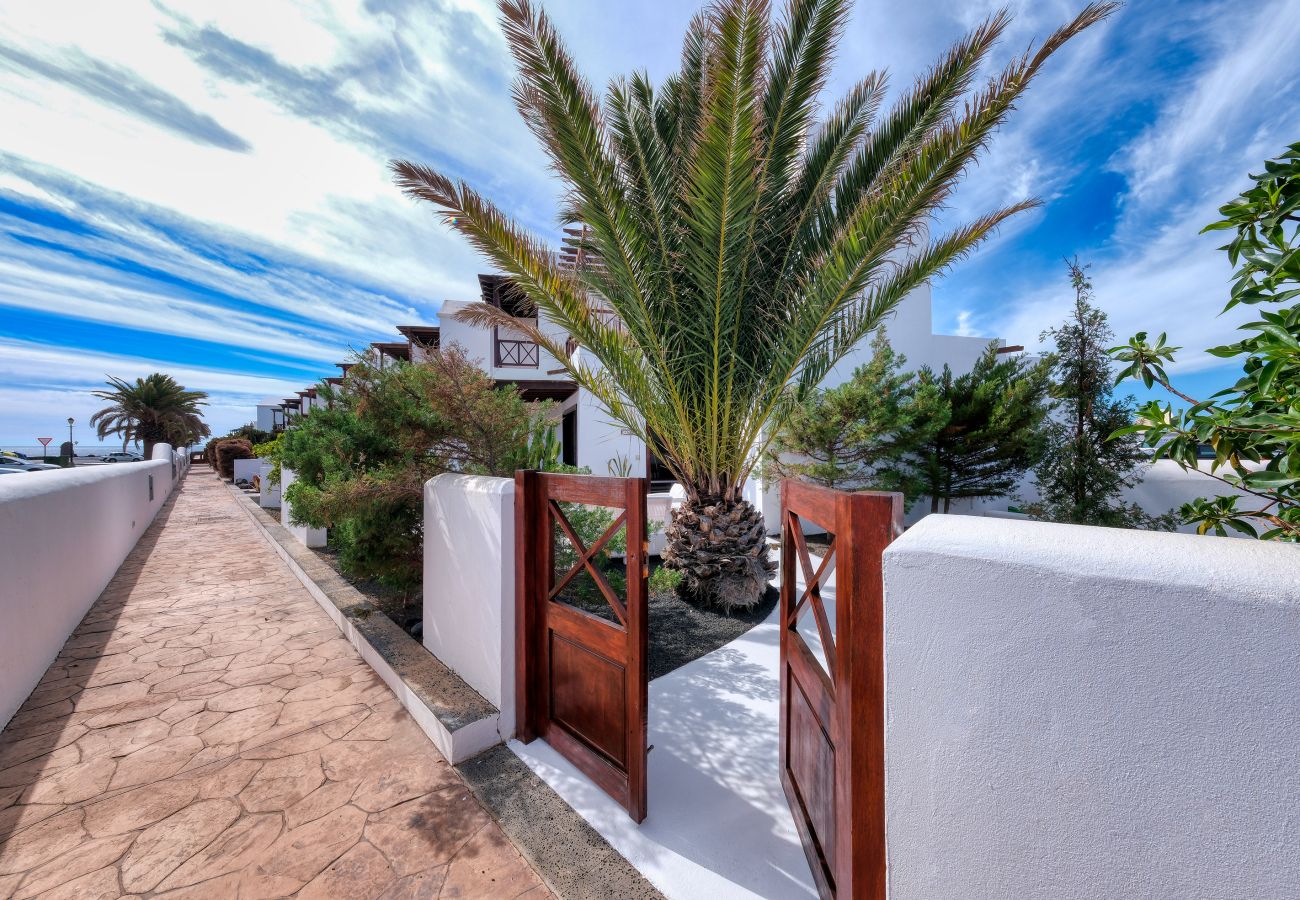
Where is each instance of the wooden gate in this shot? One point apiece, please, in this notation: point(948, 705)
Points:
point(581, 647)
point(832, 683)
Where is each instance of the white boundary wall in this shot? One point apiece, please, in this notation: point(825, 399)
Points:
point(309, 537)
point(269, 495)
point(469, 584)
point(1079, 712)
point(63, 535)
point(245, 469)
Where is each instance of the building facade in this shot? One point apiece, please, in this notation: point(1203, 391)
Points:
point(589, 436)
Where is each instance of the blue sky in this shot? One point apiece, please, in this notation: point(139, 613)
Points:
point(201, 188)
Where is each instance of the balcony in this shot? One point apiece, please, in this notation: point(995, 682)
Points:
point(514, 353)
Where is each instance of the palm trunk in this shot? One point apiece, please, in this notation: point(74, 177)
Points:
point(720, 546)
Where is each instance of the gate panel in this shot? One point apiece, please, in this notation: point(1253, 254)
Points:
point(581, 627)
point(832, 682)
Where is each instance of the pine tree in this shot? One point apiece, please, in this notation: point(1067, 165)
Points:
point(864, 433)
point(1084, 471)
point(995, 428)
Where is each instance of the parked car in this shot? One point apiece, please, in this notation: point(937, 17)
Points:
point(14, 464)
point(122, 456)
point(11, 470)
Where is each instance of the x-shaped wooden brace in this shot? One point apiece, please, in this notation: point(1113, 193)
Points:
point(813, 591)
point(585, 557)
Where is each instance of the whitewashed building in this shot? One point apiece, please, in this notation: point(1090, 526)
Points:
point(589, 438)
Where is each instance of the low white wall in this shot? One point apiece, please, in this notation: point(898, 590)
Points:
point(63, 535)
point(269, 495)
point(1078, 712)
point(1165, 486)
point(469, 584)
point(310, 537)
point(245, 469)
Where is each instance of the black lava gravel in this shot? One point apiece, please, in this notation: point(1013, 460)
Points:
point(681, 631)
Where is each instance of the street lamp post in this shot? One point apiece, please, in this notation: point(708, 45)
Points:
point(72, 449)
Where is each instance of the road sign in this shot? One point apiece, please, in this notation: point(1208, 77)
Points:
point(45, 442)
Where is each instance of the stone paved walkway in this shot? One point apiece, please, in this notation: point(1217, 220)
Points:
point(206, 732)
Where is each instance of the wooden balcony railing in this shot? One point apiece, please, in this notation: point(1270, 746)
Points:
point(517, 354)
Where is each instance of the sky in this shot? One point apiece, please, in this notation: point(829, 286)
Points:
point(202, 188)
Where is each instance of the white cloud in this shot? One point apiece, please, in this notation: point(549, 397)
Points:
point(965, 324)
point(1215, 119)
point(1232, 114)
point(312, 184)
point(263, 130)
point(42, 385)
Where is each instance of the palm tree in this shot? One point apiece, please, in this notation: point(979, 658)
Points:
point(156, 409)
point(745, 245)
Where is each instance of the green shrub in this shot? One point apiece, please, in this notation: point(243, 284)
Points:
point(361, 460)
point(270, 451)
point(664, 580)
point(864, 434)
point(1253, 426)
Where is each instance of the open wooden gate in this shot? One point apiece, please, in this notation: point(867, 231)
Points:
point(581, 648)
point(832, 683)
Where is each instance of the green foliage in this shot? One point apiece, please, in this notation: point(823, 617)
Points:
point(252, 434)
point(155, 409)
point(993, 430)
point(745, 243)
point(664, 580)
point(271, 451)
point(1257, 419)
point(544, 447)
point(1087, 465)
point(361, 459)
point(865, 433)
point(620, 466)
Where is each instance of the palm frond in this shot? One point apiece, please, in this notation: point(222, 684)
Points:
point(745, 247)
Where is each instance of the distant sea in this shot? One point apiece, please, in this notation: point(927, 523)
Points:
point(82, 449)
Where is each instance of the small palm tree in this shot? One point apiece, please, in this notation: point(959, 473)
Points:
point(745, 245)
point(155, 409)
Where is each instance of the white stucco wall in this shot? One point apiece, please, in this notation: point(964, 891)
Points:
point(1079, 712)
point(910, 332)
point(266, 414)
point(268, 496)
point(63, 535)
point(245, 469)
point(1165, 486)
point(601, 440)
point(310, 537)
point(469, 584)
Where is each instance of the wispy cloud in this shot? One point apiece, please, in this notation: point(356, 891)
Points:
point(202, 187)
point(41, 385)
point(122, 89)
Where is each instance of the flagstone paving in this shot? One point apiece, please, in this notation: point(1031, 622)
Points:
point(206, 732)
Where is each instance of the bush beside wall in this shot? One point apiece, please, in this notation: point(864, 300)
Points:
point(227, 452)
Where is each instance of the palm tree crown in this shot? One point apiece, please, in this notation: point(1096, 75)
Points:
point(155, 409)
point(746, 242)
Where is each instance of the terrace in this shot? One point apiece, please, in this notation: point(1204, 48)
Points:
point(621, 596)
point(231, 717)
